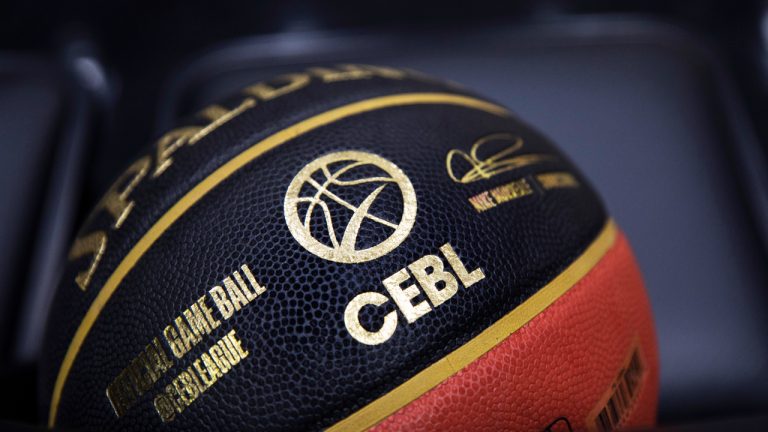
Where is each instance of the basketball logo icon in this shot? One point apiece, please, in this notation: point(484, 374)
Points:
point(350, 206)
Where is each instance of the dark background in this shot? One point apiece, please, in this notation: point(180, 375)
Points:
point(141, 44)
point(99, 74)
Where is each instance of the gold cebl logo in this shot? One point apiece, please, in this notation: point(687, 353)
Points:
point(320, 193)
point(432, 278)
point(315, 194)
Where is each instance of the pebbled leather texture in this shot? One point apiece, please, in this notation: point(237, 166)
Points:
point(304, 370)
point(558, 366)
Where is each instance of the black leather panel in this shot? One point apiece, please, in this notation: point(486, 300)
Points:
point(304, 370)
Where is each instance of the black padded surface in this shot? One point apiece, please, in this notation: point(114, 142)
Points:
point(639, 106)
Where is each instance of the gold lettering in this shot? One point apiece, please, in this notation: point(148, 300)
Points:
point(208, 313)
point(196, 383)
point(116, 201)
point(173, 392)
point(249, 295)
point(189, 386)
point(438, 283)
point(187, 336)
point(482, 202)
point(213, 112)
point(136, 379)
point(211, 367)
point(265, 92)
point(404, 296)
point(222, 302)
point(466, 278)
point(93, 244)
point(237, 345)
point(121, 394)
point(507, 192)
point(235, 295)
point(165, 407)
point(385, 71)
point(145, 375)
point(342, 73)
point(254, 283)
point(229, 115)
point(557, 180)
point(217, 355)
point(360, 333)
point(177, 398)
point(232, 357)
point(429, 281)
point(172, 337)
point(196, 320)
point(511, 190)
point(169, 143)
point(157, 360)
point(205, 375)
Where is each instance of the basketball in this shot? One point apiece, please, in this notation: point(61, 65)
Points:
point(346, 248)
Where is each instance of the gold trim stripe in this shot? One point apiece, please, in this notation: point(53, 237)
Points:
point(429, 378)
point(221, 174)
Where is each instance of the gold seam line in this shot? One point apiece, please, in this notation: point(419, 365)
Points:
point(222, 173)
point(429, 378)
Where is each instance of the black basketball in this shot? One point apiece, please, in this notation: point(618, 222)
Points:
point(350, 247)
